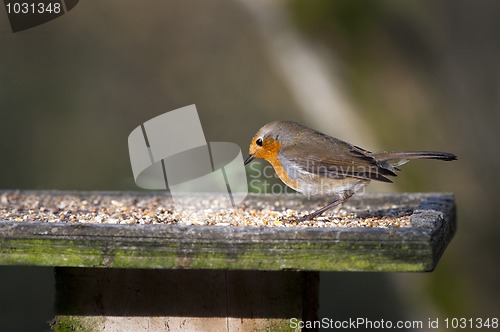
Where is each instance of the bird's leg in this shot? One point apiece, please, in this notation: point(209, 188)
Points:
point(319, 212)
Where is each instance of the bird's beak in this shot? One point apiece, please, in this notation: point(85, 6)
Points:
point(249, 159)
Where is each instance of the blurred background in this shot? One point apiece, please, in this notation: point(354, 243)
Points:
point(381, 74)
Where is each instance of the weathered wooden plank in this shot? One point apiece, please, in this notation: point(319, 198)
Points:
point(414, 248)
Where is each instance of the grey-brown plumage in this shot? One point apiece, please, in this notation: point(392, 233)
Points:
point(317, 164)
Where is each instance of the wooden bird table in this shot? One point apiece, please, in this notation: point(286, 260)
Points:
point(133, 261)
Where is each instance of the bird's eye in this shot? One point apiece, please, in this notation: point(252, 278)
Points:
point(259, 141)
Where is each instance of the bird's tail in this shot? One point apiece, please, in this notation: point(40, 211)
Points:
point(408, 155)
point(402, 157)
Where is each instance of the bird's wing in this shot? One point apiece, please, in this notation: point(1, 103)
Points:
point(329, 157)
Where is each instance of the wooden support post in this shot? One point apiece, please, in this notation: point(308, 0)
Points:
point(95, 299)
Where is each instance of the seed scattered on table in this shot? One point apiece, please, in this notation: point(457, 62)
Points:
point(128, 209)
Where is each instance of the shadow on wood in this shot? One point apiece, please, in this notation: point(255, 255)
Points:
point(116, 298)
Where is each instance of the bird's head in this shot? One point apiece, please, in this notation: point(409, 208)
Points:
point(269, 140)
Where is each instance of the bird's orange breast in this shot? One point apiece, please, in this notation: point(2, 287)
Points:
point(271, 153)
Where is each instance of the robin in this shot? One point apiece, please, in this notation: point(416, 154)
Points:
point(313, 163)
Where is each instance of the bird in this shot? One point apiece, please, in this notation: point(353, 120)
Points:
point(317, 164)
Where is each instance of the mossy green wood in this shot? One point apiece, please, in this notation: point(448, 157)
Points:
point(415, 248)
point(63, 323)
